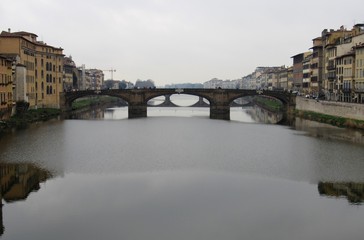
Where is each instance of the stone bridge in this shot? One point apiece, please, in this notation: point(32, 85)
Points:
point(219, 99)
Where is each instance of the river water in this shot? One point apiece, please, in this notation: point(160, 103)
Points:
point(180, 175)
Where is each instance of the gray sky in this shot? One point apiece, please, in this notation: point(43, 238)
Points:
point(178, 41)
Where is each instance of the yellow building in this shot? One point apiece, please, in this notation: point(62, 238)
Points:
point(6, 87)
point(330, 40)
point(44, 67)
point(338, 43)
point(345, 68)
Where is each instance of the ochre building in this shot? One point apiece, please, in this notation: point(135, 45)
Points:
point(6, 88)
point(43, 64)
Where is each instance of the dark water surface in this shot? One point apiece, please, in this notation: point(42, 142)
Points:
point(177, 177)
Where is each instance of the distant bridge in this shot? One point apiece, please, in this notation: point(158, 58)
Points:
point(219, 99)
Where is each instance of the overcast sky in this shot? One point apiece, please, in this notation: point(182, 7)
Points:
point(179, 41)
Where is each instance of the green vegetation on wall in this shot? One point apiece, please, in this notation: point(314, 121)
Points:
point(329, 119)
point(92, 101)
point(22, 119)
point(268, 103)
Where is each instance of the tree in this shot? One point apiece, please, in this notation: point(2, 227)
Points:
point(109, 84)
point(144, 84)
point(123, 84)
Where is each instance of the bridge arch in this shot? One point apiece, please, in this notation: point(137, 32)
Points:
point(175, 92)
point(169, 102)
point(68, 98)
point(279, 96)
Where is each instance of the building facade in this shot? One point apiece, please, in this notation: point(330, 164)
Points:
point(298, 61)
point(316, 65)
point(6, 88)
point(69, 74)
point(345, 69)
point(306, 74)
point(359, 73)
point(94, 79)
point(43, 64)
point(283, 79)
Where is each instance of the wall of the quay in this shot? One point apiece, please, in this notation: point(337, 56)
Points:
point(338, 109)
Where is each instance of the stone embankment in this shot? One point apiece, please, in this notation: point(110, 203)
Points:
point(336, 113)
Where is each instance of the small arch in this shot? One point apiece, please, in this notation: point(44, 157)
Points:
point(182, 100)
point(157, 101)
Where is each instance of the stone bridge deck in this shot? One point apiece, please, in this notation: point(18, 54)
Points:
point(219, 99)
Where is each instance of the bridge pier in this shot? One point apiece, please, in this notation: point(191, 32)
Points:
point(288, 114)
point(221, 112)
point(168, 102)
point(64, 105)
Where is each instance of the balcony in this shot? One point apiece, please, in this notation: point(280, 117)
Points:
point(314, 78)
point(331, 76)
point(331, 67)
point(347, 90)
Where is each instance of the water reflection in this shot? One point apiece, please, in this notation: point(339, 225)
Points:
point(17, 181)
point(181, 178)
point(262, 115)
point(236, 113)
point(326, 131)
point(353, 192)
point(94, 113)
point(245, 114)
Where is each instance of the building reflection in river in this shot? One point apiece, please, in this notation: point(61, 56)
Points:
point(311, 128)
point(353, 192)
point(321, 130)
point(17, 181)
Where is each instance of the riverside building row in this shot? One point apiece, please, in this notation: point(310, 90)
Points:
point(35, 72)
point(333, 67)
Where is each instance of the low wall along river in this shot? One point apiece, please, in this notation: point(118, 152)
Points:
point(338, 109)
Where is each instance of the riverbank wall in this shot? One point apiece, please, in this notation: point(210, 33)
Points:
point(336, 113)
